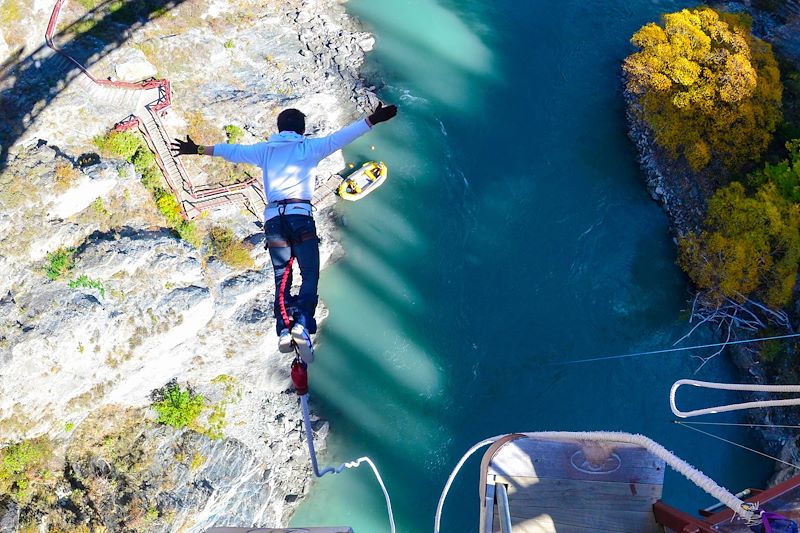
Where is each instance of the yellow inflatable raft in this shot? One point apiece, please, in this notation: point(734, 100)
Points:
point(363, 181)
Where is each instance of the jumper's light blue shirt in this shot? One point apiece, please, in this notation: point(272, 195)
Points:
point(288, 159)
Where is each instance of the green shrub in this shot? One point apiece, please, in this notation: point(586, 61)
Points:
point(60, 263)
point(234, 133)
point(175, 406)
point(187, 230)
point(749, 245)
point(119, 143)
point(228, 44)
point(99, 207)
point(784, 175)
point(85, 282)
point(23, 465)
point(230, 250)
point(151, 178)
point(169, 207)
point(143, 159)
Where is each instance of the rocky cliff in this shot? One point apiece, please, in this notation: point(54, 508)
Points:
point(130, 305)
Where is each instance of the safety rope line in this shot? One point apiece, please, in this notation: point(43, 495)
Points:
point(694, 475)
point(732, 387)
point(686, 425)
point(741, 425)
point(682, 349)
point(350, 464)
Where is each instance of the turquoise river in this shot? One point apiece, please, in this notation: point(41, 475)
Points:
point(514, 231)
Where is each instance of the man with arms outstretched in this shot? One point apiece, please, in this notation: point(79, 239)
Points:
point(288, 160)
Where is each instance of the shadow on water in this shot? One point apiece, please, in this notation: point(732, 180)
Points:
point(32, 81)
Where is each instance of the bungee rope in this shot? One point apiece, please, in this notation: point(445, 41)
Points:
point(281, 302)
point(299, 374)
point(732, 387)
point(746, 510)
point(300, 380)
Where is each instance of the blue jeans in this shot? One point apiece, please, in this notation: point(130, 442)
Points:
point(281, 233)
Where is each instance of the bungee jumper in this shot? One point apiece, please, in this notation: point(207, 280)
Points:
point(287, 161)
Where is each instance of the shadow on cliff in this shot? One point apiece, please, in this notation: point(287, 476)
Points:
point(32, 81)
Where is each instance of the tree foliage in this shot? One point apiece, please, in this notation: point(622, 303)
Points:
point(749, 246)
point(707, 87)
point(24, 467)
point(785, 175)
point(175, 406)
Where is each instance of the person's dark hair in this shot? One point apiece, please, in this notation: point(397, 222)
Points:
point(292, 120)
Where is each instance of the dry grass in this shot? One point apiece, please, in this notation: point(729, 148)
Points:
point(66, 176)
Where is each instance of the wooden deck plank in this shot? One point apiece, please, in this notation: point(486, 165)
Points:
point(591, 461)
point(573, 494)
point(270, 530)
point(546, 524)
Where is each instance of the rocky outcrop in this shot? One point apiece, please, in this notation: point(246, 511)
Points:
point(671, 183)
point(138, 306)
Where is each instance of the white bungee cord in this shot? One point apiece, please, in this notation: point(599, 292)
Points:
point(731, 387)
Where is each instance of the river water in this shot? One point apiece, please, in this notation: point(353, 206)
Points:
point(514, 231)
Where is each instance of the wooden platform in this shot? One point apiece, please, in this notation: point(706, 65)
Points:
point(290, 530)
point(570, 487)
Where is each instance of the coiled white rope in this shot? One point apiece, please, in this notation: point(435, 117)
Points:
point(733, 387)
point(679, 465)
point(351, 464)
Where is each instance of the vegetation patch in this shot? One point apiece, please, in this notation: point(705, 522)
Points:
point(60, 263)
point(133, 149)
point(11, 11)
point(65, 176)
point(709, 90)
point(85, 282)
point(234, 133)
point(176, 407)
point(229, 249)
point(24, 468)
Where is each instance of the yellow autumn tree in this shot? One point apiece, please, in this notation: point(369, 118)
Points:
point(707, 87)
point(749, 246)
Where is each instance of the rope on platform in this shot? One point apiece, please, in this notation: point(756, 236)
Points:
point(732, 387)
point(679, 465)
point(352, 464)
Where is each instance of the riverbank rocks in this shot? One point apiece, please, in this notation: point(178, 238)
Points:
point(101, 301)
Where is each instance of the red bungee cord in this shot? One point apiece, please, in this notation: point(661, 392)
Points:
point(299, 368)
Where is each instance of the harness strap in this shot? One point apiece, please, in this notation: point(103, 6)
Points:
point(290, 201)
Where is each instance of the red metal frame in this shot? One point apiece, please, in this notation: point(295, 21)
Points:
point(677, 520)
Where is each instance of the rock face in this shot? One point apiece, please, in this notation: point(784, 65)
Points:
point(135, 67)
point(670, 183)
point(133, 476)
point(136, 306)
